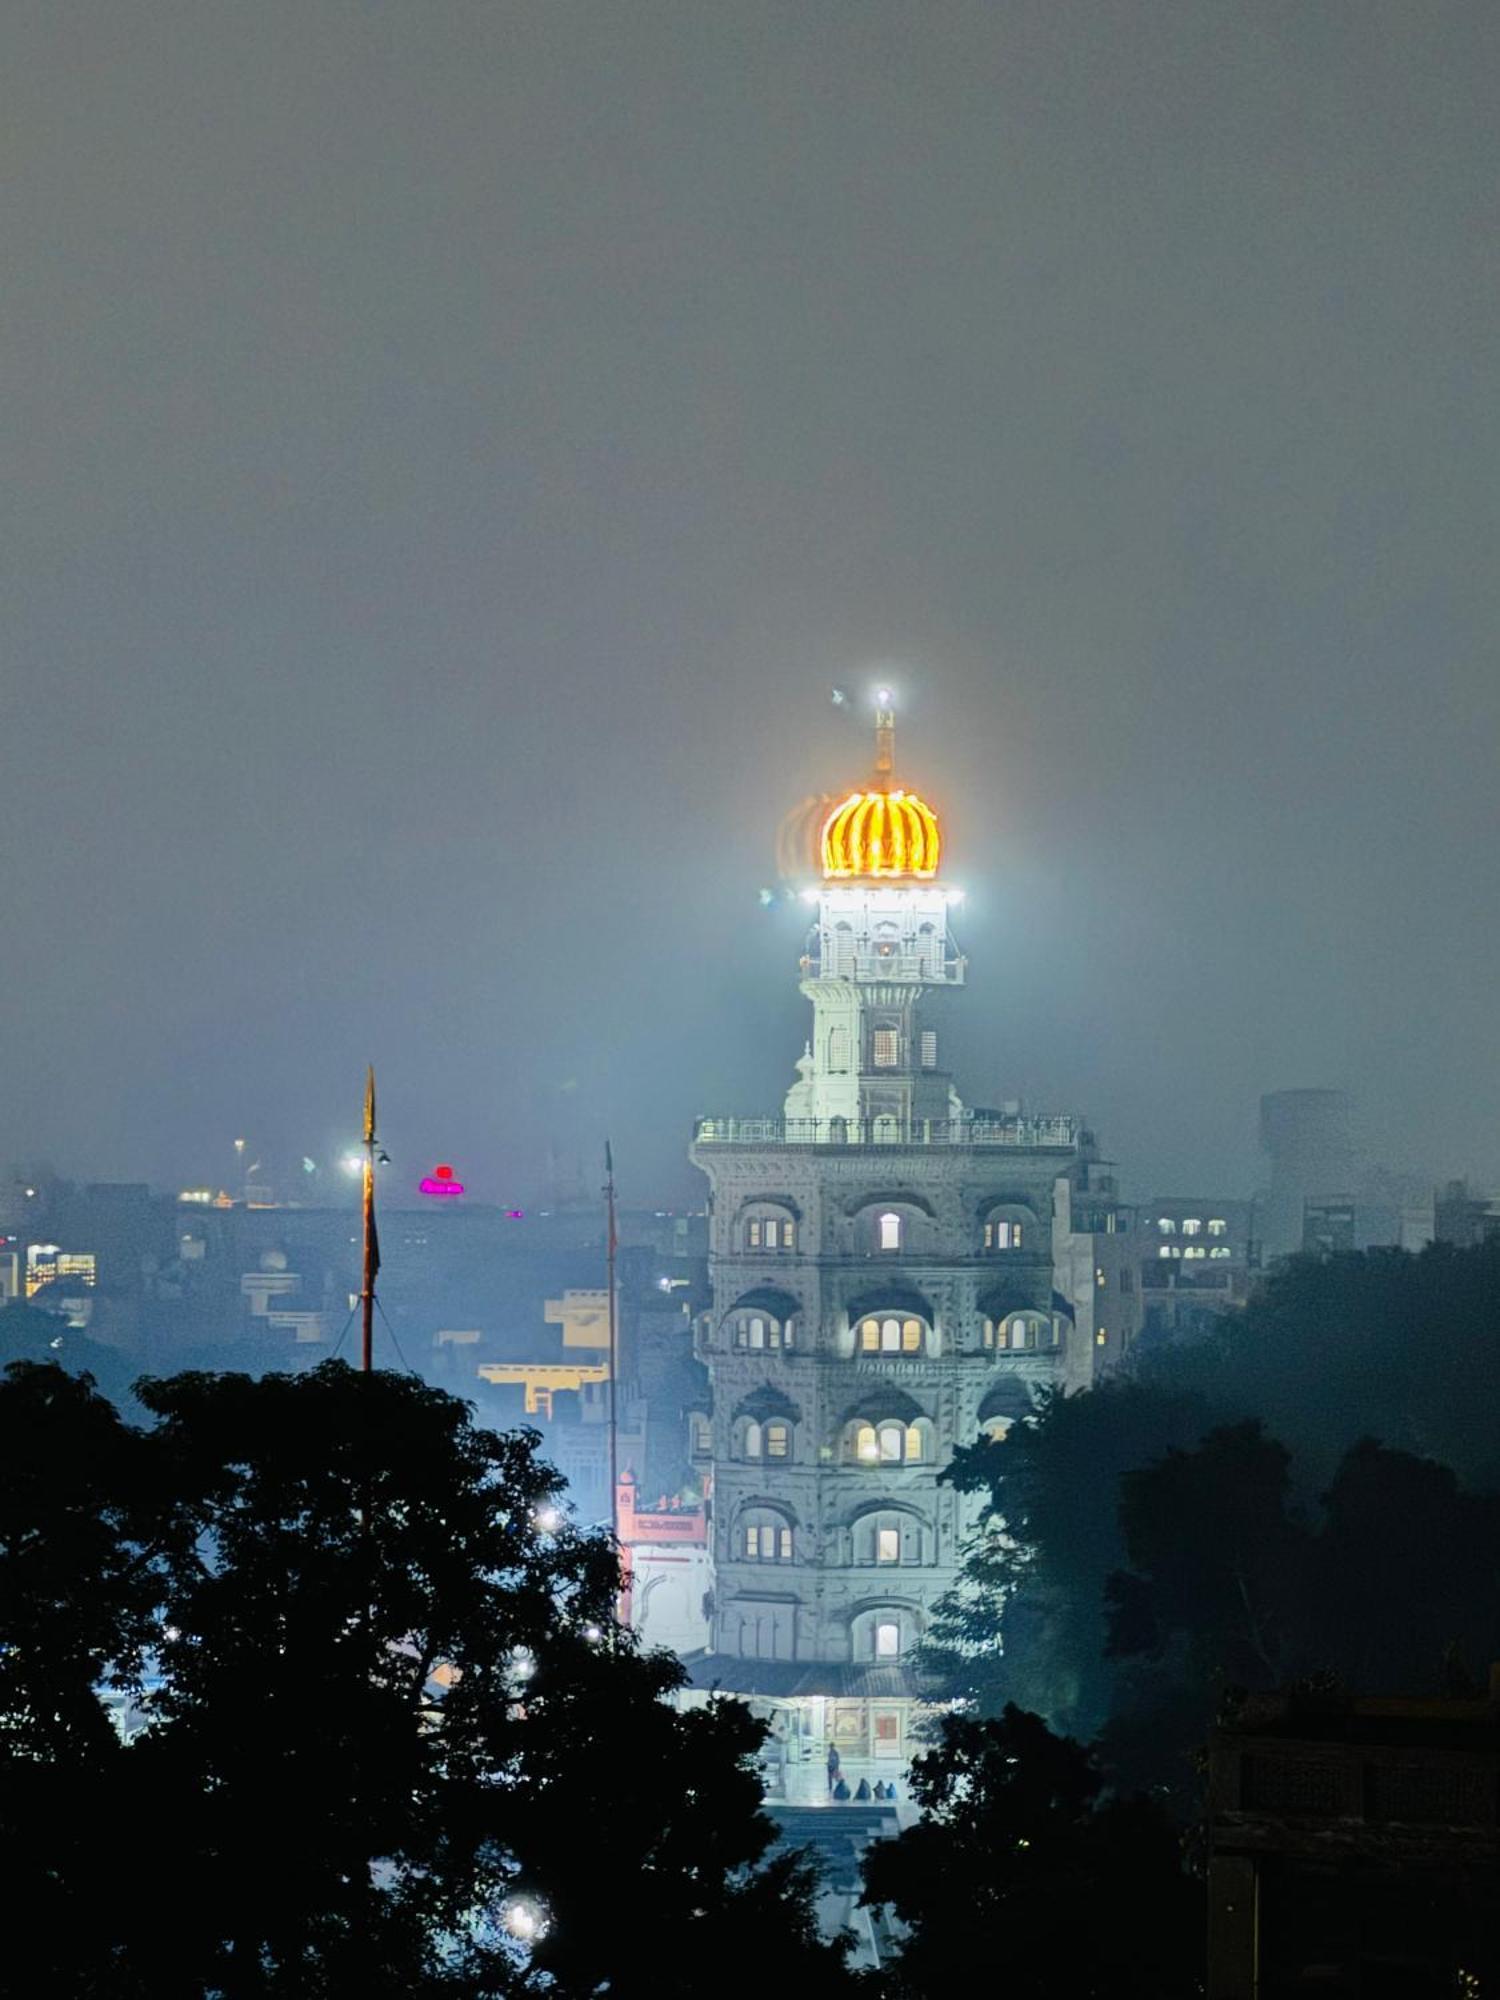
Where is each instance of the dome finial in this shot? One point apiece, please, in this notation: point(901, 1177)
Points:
point(885, 735)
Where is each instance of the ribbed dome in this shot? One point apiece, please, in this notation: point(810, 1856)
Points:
point(881, 836)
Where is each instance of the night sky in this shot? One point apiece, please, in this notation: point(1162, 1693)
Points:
point(451, 450)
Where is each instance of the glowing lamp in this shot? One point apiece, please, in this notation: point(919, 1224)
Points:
point(441, 1183)
point(523, 1919)
point(883, 837)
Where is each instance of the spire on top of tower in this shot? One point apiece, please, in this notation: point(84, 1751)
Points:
point(885, 737)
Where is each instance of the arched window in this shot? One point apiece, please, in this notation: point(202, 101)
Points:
point(885, 1538)
point(764, 1536)
point(890, 1442)
point(1025, 1332)
point(885, 1333)
point(768, 1227)
point(768, 1436)
point(888, 1230)
point(763, 1330)
point(1010, 1227)
point(883, 1632)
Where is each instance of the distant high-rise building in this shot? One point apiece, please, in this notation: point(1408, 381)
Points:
point(883, 1260)
point(1306, 1135)
point(1464, 1217)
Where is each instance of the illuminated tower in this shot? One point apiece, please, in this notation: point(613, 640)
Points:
point(882, 1259)
point(879, 948)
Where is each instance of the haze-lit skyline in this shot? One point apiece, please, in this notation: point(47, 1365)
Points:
point(454, 451)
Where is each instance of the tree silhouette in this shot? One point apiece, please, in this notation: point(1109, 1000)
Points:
point(1022, 1867)
point(392, 1721)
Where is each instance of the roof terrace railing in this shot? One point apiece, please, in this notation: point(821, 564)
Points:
point(1019, 1132)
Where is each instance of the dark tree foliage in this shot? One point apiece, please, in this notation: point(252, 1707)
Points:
point(1377, 1345)
point(30, 1333)
point(1047, 1543)
point(1214, 1558)
point(1023, 1868)
point(1390, 1592)
point(1394, 1590)
point(388, 1705)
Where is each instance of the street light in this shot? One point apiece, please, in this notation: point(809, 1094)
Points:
point(524, 1919)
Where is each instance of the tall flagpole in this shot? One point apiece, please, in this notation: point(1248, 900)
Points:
point(371, 1262)
point(610, 1247)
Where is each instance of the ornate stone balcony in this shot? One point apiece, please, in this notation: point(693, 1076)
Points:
point(1060, 1132)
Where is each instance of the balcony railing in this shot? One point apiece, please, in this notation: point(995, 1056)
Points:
point(930, 968)
point(1018, 1132)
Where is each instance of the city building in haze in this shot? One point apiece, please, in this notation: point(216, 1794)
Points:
point(1197, 1257)
point(1306, 1135)
point(883, 1263)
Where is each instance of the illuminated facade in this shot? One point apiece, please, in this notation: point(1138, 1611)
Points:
point(882, 1260)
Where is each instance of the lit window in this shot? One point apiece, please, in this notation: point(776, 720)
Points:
point(768, 1541)
point(889, 1232)
point(1101, 1337)
point(888, 1545)
point(1002, 1236)
point(890, 1336)
point(752, 1234)
point(1192, 1226)
point(1100, 1277)
point(771, 1232)
point(885, 1044)
point(913, 1445)
point(778, 1440)
point(866, 1444)
point(887, 1639)
point(989, 1333)
point(1221, 1250)
point(1217, 1226)
point(1195, 1250)
point(1167, 1226)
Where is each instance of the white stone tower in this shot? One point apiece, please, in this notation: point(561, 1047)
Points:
point(883, 1290)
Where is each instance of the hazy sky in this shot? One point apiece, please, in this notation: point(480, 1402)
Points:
point(451, 448)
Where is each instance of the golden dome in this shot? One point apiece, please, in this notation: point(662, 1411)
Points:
point(881, 836)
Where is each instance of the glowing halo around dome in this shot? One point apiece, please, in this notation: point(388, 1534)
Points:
point(883, 837)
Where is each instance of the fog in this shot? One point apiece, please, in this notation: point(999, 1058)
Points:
point(452, 451)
